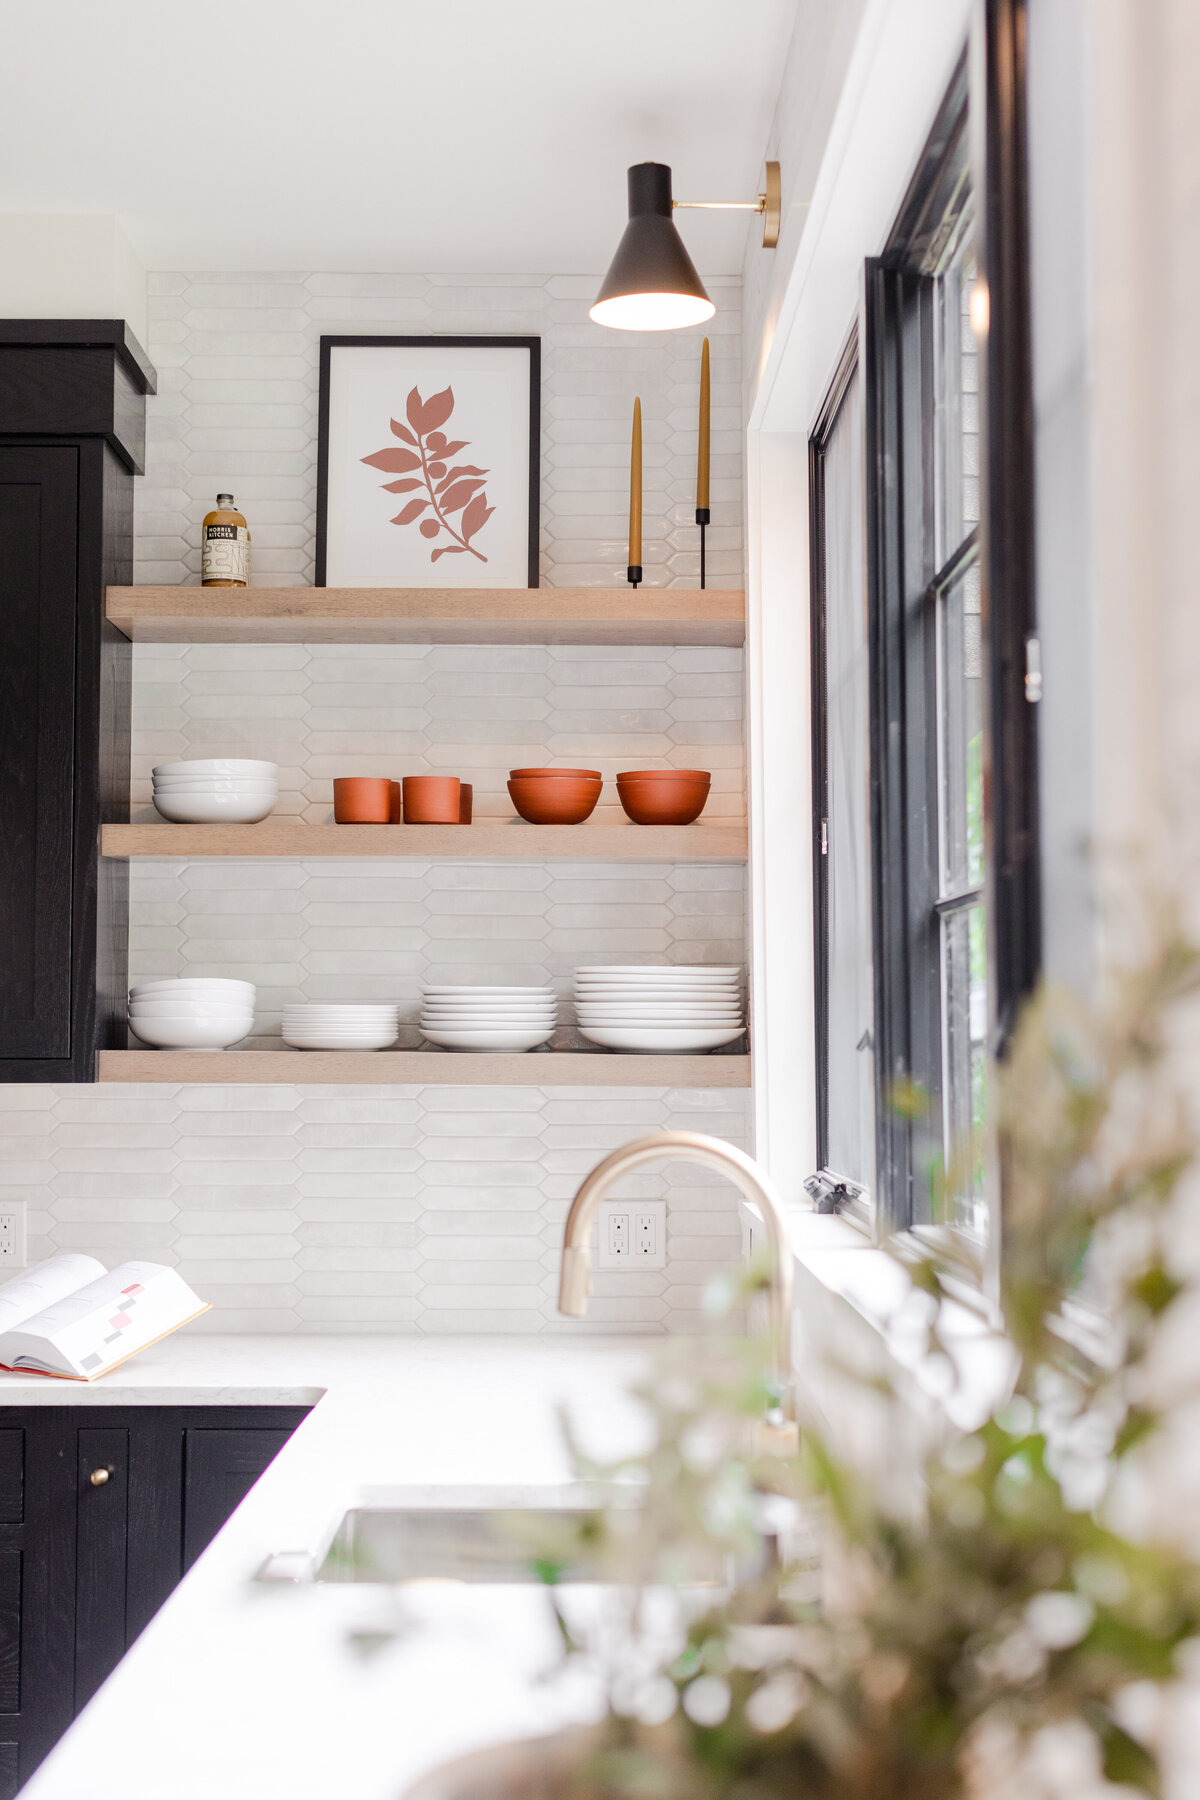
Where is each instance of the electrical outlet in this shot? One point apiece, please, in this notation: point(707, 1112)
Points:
point(12, 1234)
point(632, 1233)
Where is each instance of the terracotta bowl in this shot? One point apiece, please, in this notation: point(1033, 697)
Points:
point(554, 798)
point(432, 800)
point(361, 799)
point(664, 796)
point(579, 774)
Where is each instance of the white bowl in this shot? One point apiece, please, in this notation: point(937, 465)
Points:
point(645, 1040)
point(220, 765)
point(586, 991)
point(496, 1022)
point(215, 809)
point(190, 1034)
point(182, 1010)
point(481, 1038)
point(195, 985)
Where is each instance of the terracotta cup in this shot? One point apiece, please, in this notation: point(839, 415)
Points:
point(466, 803)
point(362, 800)
point(432, 799)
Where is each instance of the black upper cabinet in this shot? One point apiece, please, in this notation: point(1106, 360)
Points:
point(72, 434)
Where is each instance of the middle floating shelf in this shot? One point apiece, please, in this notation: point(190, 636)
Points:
point(487, 838)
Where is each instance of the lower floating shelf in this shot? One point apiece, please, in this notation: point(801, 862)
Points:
point(421, 1068)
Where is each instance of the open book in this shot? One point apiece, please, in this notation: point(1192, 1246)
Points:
point(69, 1318)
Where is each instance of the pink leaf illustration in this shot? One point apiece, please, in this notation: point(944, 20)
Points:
point(477, 515)
point(457, 496)
point(434, 412)
point(410, 512)
point(394, 462)
point(463, 469)
point(457, 489)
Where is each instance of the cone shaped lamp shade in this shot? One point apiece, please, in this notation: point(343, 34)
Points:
point(652, 284)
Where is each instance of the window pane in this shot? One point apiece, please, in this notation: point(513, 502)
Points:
point(960, 749)
point(850, 1058)
point(964, 966)
point(956, 401)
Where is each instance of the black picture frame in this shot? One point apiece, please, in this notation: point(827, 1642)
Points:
point(461, 342)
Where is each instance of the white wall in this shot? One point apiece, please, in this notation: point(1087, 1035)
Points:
point(70, 266)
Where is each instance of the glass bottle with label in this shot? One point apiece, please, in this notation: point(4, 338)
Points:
point(225, 547)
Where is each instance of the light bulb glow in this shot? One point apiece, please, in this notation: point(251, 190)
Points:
point(651, 312)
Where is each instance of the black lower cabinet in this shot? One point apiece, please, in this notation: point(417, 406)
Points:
point(102, 1510)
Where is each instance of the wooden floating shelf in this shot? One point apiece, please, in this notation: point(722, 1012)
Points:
point(301, 1068)
point(623, 615)
point(486, 838)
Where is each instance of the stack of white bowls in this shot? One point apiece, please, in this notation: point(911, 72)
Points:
point(192, 1014)
point(321, 1027)
point(221, 789)
point(489, 1018)
point(660, 1008)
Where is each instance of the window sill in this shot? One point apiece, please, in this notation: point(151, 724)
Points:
point(977, 1372)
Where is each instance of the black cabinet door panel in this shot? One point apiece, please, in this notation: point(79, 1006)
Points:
point(101, 1540)
point(220, 1468)
point(39, 489)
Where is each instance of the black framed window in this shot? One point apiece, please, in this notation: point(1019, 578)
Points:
point(948, 745)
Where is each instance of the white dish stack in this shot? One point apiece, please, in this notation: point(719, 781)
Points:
point(192, 1013)
point(489, 1018)
point(219, 790)
point(320, 1027)
point(660, 1009)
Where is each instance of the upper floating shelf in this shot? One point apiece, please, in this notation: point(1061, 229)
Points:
point(624, 615)
point(487, 837)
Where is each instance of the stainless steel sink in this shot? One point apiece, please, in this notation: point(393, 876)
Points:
point(481, 1544)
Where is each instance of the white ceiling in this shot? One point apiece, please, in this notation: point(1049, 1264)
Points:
point(488, 135)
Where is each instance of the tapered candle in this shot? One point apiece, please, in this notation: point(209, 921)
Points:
point(702, 458)
point(634, 570)
point(702, 454)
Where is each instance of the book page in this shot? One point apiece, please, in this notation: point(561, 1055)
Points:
point(35, 1289)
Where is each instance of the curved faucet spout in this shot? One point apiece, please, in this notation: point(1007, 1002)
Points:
point(752, 1182)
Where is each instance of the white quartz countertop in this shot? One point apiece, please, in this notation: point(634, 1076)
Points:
point(250, 1691)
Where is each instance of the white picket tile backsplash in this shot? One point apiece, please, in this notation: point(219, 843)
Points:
point(236, 409)
point(343, 1209)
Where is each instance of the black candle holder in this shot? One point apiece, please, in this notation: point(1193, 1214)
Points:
point(633, 574)
point(703, 515)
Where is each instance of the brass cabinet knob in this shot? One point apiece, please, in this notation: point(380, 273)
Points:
point(98, 1477)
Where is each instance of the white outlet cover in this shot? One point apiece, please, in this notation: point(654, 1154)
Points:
point(654, 1211)
point(12, 1236)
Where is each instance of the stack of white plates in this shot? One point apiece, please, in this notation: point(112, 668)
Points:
point(192, 1014)
point(317, 1027)
point(489, 1018)
point(660, 1008)
point(209, 792)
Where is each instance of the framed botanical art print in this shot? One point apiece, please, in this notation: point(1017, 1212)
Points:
point(428, 462)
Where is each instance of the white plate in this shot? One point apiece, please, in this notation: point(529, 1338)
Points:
point(546, 1026)
point(600, 1015)
point(446, 992)
point(214, 809)
point(661, 1043)
point(650, 998)
point(642, 970)
point(382, 1040)
point(507, 1039)
point(467, 1008)
point(220, 765)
